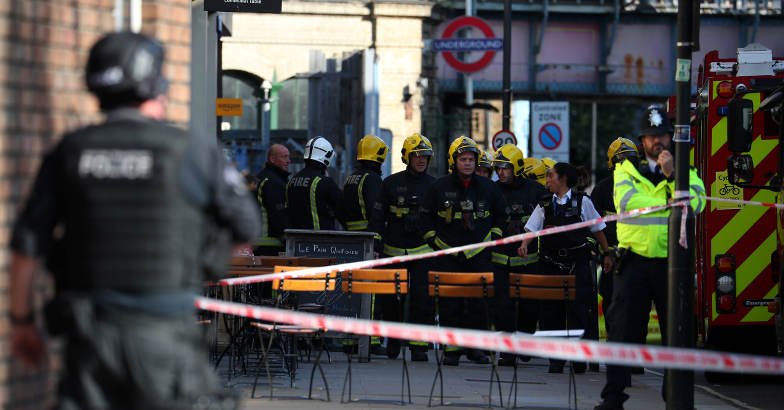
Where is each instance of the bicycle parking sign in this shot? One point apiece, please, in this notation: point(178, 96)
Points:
point(722, 188)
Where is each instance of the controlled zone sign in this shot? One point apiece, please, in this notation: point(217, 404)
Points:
point(502, 138)
point(448, 45)
point(550, 130)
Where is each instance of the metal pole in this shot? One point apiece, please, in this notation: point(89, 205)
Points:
point(679, 384)
point(468, 81)
point(507, 64)
point(594, 135)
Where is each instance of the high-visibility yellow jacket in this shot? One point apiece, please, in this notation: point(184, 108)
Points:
point(646, 235)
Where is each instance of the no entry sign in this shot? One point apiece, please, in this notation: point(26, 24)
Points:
point(448, 45)
point(550, 130)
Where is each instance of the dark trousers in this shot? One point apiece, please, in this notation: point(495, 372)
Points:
point(419, 306)
point(468, 313)
point(642, 281)
point(503, 306)
point(579, 314)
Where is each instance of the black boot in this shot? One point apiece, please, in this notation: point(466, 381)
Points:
point(418, 355)
point(393, 348)
point(478, 356)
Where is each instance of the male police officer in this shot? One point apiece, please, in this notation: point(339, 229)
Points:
point(522, 195)
point(396, 221)
point(271, 195)
point(312, 197)
point(461, 209)
point(642, 271)
point(122, 211)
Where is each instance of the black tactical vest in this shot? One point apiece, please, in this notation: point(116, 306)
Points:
point(128, 225)
point(560, 215)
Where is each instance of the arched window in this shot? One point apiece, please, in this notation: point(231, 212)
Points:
point(247, 87)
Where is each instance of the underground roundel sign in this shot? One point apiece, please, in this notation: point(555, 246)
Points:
point(448, 45)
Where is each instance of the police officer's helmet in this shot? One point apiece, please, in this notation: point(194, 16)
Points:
point(320, 150)
point(125, 68)
point(485, 160)
point(534, 168)
point(654, 121)
point(460, 145)
point(619, 150)
point(509, 156)
point(417, 145)
point(372, 148)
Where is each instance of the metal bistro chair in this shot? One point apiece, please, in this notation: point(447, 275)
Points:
point(462, 285)
point(315, 283)
point(377, 281)
point(544, 287)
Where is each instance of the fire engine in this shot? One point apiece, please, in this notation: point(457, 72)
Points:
point(738, 247)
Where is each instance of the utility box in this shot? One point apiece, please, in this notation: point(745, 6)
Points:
point(343, 246)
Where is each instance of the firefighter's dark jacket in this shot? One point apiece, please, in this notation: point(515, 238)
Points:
point(313, 199)
point(396, 218)
point(271, 196)
point(453, 215)
point(602, 198)
point(522, 196)
point(360, 193)
point(134, 198)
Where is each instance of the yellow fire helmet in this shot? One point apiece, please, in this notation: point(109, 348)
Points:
point(509, 156)
point(485, 160)
point(548, 162)
point(417, 145)
point(372, 148)
point(460, 145)
point(535, 169)
point(619, 150)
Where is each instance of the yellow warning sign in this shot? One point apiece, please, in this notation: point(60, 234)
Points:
point(722, 188)
point(228, 107)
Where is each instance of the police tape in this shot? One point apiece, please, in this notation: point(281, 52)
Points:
point(408, 258)
point(744, 202)
point(516, 343)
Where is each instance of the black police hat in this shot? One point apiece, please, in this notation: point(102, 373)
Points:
point(125, 68)
point(654, 121)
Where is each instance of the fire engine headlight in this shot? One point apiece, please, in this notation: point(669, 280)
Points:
point(725, 284)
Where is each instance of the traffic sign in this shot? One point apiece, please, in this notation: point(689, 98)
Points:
point(550, 136)
point(550, 130)
point(502, 138)
point(488, 44)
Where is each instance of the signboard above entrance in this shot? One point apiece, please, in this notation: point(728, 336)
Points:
point(244, 6)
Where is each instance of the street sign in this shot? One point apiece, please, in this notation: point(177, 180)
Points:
point(550, 130)
point(228, 107)
point(488, 44)
point(502, 138)
point(244, 6)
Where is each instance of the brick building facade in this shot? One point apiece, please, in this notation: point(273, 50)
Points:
point(43, 46)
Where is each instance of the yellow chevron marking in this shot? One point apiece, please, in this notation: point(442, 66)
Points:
point(741, 222)
point(714, 313)
point(719, 131)
point(715, 86)
point(760, 313)
point(754, 264)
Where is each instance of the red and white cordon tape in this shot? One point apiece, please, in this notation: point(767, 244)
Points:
point(408, 258)
point(524, 344)
point(744, 202)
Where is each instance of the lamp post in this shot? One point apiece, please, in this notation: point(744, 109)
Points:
point(266, 87)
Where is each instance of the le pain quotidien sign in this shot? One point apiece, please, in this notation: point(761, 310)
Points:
point(243, 6)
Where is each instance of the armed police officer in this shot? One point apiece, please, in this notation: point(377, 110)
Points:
point(122, 211)
point(397, 224)
point(566, 253)
point(312, 197)
point(642, 241)
point(271, 195)
point(522, 195)
point(461, 209)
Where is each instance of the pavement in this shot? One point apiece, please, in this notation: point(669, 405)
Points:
point(377, 385)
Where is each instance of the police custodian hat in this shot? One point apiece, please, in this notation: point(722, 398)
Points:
point(654, 121)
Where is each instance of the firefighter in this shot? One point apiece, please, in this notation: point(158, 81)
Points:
point(397, 224)
point(602, 197)
point(360, 192)
point(566, 253)
point(271, 196)
point(461, 209)
point(534, 168)
point(123, 210)
point(642, 242)
point(522, 195)
point(312, 197)
point(485, 165)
